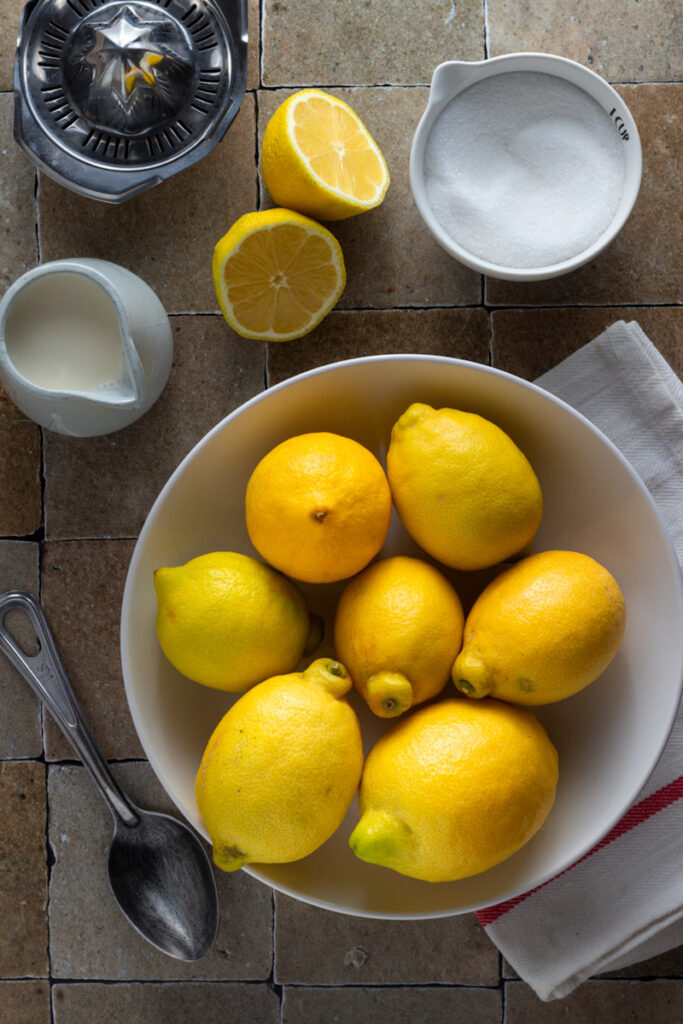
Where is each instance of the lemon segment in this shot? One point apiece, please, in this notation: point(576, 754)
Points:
point(277, 274)
point(319, 158)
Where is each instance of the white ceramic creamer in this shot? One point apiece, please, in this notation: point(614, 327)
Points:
point(85, 346)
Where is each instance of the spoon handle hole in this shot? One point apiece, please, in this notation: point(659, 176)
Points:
point(45, 675)
point(19, 627)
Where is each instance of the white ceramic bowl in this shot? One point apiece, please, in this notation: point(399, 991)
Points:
point(608, 737)
point(453, 77)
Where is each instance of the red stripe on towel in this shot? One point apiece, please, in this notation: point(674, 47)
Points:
point(640, 812)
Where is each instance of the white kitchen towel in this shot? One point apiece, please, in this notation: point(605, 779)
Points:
point(623, 901)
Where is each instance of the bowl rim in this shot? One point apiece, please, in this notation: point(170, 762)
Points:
point(447, 242)
point(262, 874)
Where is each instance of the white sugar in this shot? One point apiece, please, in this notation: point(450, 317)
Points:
point(524, 169)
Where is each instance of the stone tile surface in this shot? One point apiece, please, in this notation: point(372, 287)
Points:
point(23, 870)
point(9, 28)
point(20, 505)
point(529, 342)
point(623, 41)
point(82, 909)
point(105, 486)
point(459, 333)
point(82, 590)
point(19, 247)
point(391, 259)
point(637, 267)
point(254, 45)
point(318, 947)
point(20, 734)
point(167, 235)
point(179, 1002)
point(25, 1002)
point(348, 43)
point(391, 1005)
point(624, 1002)
point(20, 510)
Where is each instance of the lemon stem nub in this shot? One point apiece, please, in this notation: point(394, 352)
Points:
point(379, 837)
point(389, 694)
point(329, 674)
point(471, 676)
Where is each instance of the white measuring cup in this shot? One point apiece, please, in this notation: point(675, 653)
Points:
point(85, 346)
point(453, 77)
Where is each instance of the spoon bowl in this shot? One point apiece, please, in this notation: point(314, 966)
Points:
point(159, 872)
point(157, 858)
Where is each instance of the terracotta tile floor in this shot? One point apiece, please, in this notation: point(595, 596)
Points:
point(70, 509)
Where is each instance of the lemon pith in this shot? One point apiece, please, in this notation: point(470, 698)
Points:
point(319, 158)
point(227, 621)
point(462, 488)
point(281, 768)
point(398, 627)
point(542, 630)
point(277, 274)
point(447, 793)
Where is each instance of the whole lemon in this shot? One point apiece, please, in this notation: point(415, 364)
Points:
point(542, 630)
point(228, 621)
point(281, 768)
point(398, 628)
point(454, 788)
point(318, 507)
point(463, 489)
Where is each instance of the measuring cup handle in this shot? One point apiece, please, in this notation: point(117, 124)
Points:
point(45, 674)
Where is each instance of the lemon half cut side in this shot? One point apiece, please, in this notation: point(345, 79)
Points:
point(277, 274)
point(319, 158)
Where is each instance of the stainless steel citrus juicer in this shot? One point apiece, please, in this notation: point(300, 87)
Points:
point(114, 96)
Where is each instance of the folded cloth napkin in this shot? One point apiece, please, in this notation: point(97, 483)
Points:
point(623, 901)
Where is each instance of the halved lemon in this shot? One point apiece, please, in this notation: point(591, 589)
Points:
point(277, 274)
point(319, 158)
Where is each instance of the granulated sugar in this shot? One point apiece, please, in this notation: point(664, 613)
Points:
point(524, 169)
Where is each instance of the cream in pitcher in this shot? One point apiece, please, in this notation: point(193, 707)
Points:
point(85, 346)
point(63, 332)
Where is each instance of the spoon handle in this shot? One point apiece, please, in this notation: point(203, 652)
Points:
point(45, 674)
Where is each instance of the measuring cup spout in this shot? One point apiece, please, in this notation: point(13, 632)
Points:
point(452, 76)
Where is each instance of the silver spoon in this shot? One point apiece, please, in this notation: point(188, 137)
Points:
point(159, 872)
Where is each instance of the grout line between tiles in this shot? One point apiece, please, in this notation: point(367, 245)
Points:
point(487, 31)
point(405, 85)
point(274, 942)
point(494, 307)
point(426, 85)
point(261, 40)
point(254, 982)
point(259, 189)
point(501, 985)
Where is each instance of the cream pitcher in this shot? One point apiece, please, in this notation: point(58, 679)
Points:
point(85, 346)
